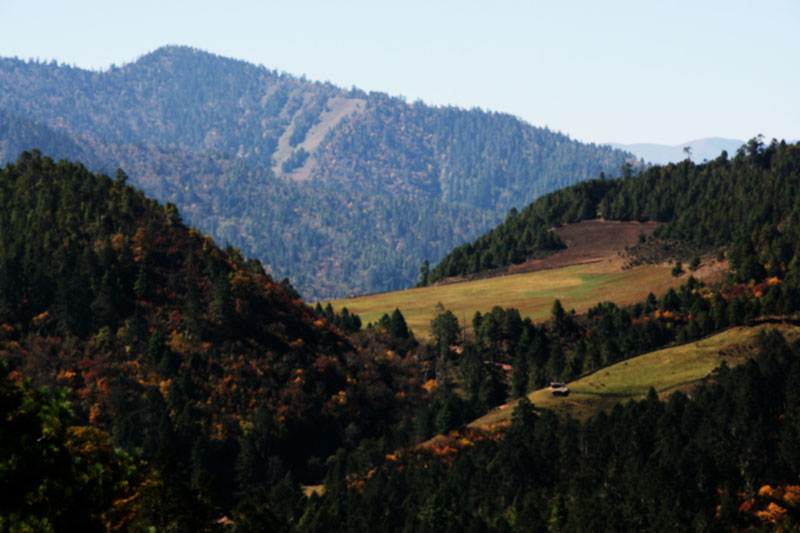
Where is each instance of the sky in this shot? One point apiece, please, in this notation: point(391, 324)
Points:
point(613, 71)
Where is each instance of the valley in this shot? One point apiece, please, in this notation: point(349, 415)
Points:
point(294, 172)
point(165, 226)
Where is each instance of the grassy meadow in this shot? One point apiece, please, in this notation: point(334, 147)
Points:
point(578, 287)
point(667, 370)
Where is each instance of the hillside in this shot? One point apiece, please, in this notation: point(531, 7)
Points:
point(594, 267)
point(723, 459)
point(314, 165)
point(682, 367)
point(700, 207)
point(167, 341)
point(120, 327)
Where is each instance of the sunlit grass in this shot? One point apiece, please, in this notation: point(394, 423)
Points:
point(677, 368)
point(578, 287)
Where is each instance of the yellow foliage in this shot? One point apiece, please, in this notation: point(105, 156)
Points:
point(765, 491)
point(246, 426)
point(88, 440)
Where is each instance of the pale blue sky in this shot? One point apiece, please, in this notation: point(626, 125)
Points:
point(610, 71)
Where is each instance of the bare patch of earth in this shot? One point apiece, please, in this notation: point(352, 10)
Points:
point(589, 241)
point(336, 110)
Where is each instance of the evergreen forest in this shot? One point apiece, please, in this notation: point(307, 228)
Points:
point(292, 172)
point(152, 380)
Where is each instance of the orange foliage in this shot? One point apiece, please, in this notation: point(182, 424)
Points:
point(65, 375)
point(791, 495)
point(178, 343)
point(118, 242)
point(94, 413)
point(773, 514)
point(430, 385)
point(340, 397)
point(164, 387)
point(140, 245)
point(6, 330)
point(41, 319)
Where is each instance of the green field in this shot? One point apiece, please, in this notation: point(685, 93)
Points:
point(578, 287)
point(677, 368)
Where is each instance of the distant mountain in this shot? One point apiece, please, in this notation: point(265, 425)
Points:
point(661, 154)
point(342, 191)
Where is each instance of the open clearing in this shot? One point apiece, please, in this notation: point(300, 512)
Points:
point(677, 368)
point(587, 242)
point(578, 287)
point(588, 272)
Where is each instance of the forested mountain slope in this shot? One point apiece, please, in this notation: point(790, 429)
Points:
point(749, 201)
point(234, 389)
point(183, 123)
point(165, 340)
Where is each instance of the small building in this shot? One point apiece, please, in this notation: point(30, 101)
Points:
point(559, 388)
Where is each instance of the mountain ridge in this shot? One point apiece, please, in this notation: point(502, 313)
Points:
point(183, 122)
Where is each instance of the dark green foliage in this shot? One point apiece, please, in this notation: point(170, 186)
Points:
point(344, 320)
point(445, 330)
point(55, 477)
point(399, 337)
point(168, 342)
point(687, 464)
point(749, 202)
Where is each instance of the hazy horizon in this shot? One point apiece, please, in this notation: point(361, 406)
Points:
point(620, 72)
